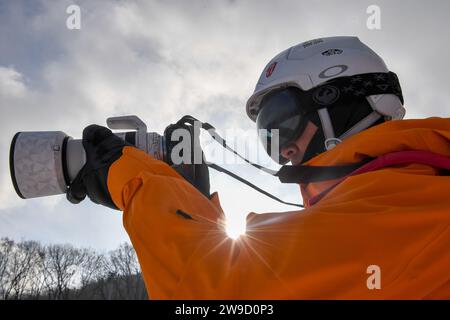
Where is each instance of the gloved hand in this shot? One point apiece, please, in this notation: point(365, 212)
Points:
point(102, 149)
point(196, 174)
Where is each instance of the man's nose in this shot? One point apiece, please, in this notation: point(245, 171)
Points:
point(289, 151)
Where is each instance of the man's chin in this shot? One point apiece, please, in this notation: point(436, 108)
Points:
point(296, 162)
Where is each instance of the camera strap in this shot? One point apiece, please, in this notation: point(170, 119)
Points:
point(251, 185)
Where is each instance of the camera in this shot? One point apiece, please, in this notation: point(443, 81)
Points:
point(44, 163)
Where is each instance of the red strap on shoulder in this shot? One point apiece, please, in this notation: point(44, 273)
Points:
point(392, 159)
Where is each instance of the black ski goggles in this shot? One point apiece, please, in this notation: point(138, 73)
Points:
point(281, 121)
point(284, 112)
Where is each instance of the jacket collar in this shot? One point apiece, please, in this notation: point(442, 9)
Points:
point(432, 134)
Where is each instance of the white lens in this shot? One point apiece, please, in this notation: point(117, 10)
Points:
point(36, 163)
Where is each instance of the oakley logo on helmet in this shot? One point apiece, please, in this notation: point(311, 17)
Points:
point(270, 69)
point(326, 95)
point(333, 71)
point(331, 52)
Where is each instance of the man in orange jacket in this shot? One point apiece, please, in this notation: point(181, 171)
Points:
point(377, 231)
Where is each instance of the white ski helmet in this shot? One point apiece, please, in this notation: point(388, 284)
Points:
point(316, 62)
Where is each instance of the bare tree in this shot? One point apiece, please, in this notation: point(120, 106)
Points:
point(35, 278)
point(6, 246)
point(124, 268)
point(91, 273)
point(21, 264)
point(60, 268)
point(29, 270)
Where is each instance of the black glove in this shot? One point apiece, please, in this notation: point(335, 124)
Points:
point(102, 149)
point(196, 174)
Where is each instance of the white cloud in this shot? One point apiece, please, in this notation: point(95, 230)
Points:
point(11, 83)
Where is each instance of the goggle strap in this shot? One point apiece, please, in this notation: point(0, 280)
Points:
point(350, 87)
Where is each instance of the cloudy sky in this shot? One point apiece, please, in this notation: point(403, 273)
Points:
point(163, 59)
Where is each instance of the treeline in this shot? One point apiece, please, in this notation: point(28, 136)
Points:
point(30, 270)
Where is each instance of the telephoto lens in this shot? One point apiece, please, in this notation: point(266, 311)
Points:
point(44, 163)
point(38, 163)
